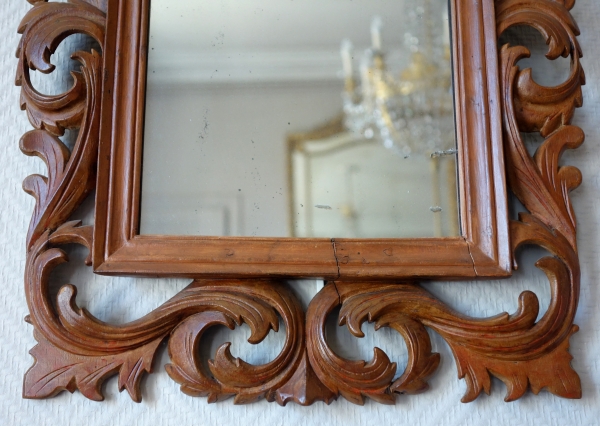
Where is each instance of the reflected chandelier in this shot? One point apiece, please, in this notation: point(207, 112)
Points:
point(410, 113)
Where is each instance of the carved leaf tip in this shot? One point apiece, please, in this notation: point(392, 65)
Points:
point(304, 388)
point(242, 399)
point(414, 381)
point(131, 373)
point(55, 370)
point(518, 376)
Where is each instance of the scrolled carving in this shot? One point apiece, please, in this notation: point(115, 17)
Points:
point(515, 348)
point(71, 174)
point(70, 356)
point(355, 380)
point(229, 304)
point(77, 351)
point(538, 182)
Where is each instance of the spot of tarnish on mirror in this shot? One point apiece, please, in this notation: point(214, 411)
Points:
point(444, 153)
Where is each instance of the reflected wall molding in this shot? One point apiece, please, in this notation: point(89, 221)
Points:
point(76, 351)
point(211, 70)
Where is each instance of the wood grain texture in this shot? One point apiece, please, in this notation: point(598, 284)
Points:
point(482, 250)
point(71, 175)
point(77, 351)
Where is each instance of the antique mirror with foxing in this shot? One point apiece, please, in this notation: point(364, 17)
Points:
point(370, 144)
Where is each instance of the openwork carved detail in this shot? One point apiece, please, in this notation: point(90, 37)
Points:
point(77, 351)
point(228, 303)
point(71, 175)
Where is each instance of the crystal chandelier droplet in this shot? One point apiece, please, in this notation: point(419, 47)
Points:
point(413, 111)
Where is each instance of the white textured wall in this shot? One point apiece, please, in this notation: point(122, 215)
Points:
point(125, 299)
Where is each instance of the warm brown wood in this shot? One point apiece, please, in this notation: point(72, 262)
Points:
point(77, 351)
point(228, 303)
point(520, 352)
point(483, 250)
point(71, 174)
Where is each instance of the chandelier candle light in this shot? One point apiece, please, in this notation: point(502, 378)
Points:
point(413, 112)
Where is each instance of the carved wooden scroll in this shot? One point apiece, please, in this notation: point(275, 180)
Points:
point(77, 351)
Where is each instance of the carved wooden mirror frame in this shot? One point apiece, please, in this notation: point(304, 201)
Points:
point(240, 279)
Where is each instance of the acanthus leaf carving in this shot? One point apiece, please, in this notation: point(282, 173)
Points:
point(55, 371)
point(78, 351)
point(354, 380)
point(535, 184)
point(71, 175)
point(256, 305)
point(304, 387)
point(519, 376)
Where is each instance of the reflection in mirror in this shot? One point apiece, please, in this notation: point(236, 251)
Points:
point(257, 123)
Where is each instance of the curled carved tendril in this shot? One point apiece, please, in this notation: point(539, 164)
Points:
point(71, 174)
point(257, 307)
point(352, 379)
point(77, 351)
point(514, 348)
point(97, 350)
point(91, 350)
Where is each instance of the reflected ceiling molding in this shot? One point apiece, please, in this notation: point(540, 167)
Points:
point(174, 68)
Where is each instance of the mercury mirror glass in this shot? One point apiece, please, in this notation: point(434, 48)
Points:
point(319, 118)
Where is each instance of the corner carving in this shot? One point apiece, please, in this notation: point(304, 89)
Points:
point(76, 351)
